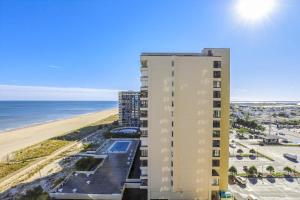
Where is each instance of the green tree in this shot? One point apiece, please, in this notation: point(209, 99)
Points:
point(287, 169)
point(252, 151)
point(270, 169)
point(233, 170)
point(252, 170)
point(240, 151)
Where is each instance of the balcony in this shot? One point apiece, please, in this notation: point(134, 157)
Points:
point(144, 133)
point(144, 184)
point(144, 94)
point(143, 113)
point(144, 153)
point(217, 64)
point(144, 163)
point(216, 134)
point(144, 64)
point(216, 143)
point(144, 124)
point(216, 163)
point(214, 172)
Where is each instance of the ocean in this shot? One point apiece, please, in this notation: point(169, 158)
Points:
point(18, 114)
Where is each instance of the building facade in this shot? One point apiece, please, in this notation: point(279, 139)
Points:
point(129, 108)
point(185, 124)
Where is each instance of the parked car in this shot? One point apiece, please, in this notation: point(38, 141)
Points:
point(290, 156)
point(232, 145)
point(241, 180)
point(245, 168)
point(281, 133)
point(252, 197)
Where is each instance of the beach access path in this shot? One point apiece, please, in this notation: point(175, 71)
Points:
point(14, 140)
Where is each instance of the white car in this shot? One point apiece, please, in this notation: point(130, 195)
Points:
point(241, 180)
point(232, 145)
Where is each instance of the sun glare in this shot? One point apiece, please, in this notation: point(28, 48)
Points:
point(255, 10)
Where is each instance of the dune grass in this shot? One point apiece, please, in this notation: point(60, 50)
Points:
point(28, 155)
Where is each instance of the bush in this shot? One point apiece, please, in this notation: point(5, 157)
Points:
point(35, 194)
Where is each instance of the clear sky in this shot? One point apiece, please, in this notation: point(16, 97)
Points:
point(92, 47)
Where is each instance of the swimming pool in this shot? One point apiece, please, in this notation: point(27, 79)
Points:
point(119, 147)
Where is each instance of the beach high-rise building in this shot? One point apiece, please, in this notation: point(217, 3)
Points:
point(129, 108)
point(185, 124)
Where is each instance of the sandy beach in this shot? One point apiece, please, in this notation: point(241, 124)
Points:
point(11, 141)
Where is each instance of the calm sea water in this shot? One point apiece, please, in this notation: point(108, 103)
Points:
point(17, 114)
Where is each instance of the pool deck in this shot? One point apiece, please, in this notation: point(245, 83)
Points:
point(109, 179)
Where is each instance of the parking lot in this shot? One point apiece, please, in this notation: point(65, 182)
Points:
point(264, 189)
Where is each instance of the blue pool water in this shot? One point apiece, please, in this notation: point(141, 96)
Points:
point(119, 147)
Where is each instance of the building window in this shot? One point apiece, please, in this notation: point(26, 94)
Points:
point(216, 143)
point(216, 124)
point(216, 133)
point(217, 64)
point(144, 94)
point(216, 163)
point(172, 63)
point(217, 84)
point(217, 104)
point(217, 114)
point(216, 153)
point(217, 74)
point(217, 94)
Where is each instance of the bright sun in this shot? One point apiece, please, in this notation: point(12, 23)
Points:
point(255, 10)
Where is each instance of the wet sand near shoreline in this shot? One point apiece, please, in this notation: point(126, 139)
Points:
point(14, 140)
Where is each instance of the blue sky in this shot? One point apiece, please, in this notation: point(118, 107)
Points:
point(93, 46)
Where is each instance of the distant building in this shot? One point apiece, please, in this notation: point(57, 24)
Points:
point(129, 108)
point(185, 124)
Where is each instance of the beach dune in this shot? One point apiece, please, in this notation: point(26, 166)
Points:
point(14, 140)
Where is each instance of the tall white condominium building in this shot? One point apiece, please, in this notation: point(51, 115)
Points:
point(185, 124)
point(129, 108)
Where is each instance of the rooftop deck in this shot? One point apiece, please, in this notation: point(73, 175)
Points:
point(108, 179)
